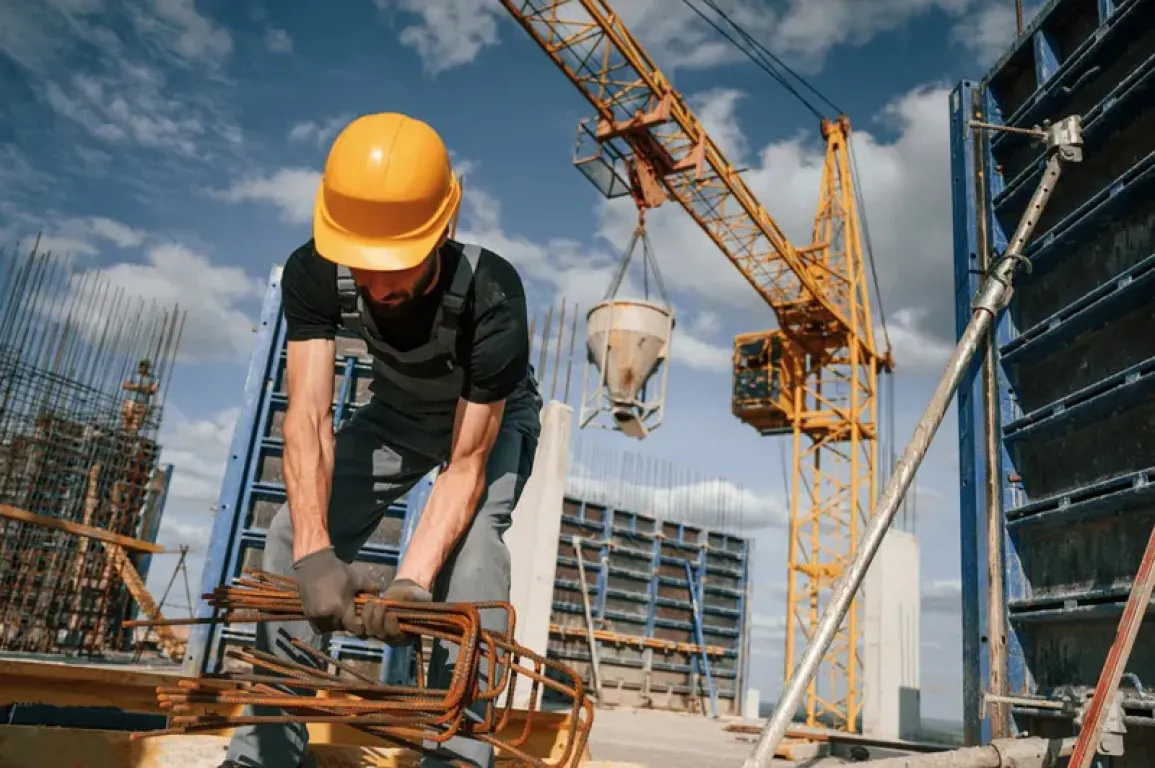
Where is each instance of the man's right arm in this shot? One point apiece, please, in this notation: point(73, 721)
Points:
point(309, 442)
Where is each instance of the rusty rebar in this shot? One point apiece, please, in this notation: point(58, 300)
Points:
point(328, 690)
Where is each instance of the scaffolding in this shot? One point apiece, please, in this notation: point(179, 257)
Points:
point(84, 368)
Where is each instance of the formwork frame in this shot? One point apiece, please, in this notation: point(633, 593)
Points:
point(238, 534)
point(622, 548)
point(1074, 356)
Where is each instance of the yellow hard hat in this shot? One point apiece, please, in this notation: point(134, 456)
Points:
point(387, 194)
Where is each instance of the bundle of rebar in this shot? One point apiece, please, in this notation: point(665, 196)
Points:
point(83, 371)
point(327, 690)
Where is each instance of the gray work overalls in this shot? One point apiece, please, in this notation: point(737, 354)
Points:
point(385, 448)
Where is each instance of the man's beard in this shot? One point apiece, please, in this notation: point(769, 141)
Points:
point(397, 304)
point(394, 306)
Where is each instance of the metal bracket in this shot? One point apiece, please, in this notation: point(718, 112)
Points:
point(1111, 737)
point(1064, 141)
point(1033, 702)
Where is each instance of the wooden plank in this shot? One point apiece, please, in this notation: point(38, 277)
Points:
point(23, 516)
point(620, 638)
point(134, 690)
point(78, 685)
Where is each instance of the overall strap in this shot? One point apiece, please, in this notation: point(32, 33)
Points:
point(354, 315)
point(453, 302)
point(348, 297)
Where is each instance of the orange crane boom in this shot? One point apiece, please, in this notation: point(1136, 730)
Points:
point(633, 98)
point(815, 376)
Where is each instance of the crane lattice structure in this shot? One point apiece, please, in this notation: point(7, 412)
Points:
point(815, 376)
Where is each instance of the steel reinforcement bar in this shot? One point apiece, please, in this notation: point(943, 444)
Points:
point(477, 703)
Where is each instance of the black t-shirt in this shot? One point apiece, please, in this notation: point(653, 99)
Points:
point(493, 341)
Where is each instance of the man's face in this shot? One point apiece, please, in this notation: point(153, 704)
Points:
point(390, 293)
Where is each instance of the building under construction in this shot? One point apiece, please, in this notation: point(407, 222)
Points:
point(83, 372)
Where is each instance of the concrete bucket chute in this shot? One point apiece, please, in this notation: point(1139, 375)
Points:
point(628, 347)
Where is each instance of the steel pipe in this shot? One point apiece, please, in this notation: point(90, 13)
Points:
point(1002, 753)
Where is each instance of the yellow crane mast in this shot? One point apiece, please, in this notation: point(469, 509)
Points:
point(815, 376)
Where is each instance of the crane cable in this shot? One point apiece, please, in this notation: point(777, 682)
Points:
point(771, 64)
point(767, 68)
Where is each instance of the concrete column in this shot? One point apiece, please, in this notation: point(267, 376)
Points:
point(533, 537)
point(891, 637)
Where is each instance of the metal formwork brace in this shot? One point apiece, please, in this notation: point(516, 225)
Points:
point(595, 662)
point(696, 607)
point(1064, 141)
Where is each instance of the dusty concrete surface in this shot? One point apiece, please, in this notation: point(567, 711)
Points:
point(667, 740)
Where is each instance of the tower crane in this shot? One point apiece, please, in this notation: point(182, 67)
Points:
point(815, 376)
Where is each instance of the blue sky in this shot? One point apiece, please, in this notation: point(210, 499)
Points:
point(175, 144)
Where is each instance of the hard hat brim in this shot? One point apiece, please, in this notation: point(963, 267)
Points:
point(340, 246)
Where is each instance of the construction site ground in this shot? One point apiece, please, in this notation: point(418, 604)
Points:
point(620, 737)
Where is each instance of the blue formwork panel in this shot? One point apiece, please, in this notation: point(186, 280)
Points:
point(635, 569)
point(253, 490)
point(1076, 359)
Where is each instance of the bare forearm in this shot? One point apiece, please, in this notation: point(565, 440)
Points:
point(308, 467)
point(447, 513)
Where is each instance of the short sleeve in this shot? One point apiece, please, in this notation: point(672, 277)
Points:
point(499, 357)
point(309, 296)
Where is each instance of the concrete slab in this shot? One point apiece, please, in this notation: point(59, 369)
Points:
point(662, 739)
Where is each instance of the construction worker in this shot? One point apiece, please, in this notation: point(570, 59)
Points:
point(446, 326)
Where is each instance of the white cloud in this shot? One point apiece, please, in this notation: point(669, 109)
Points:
point(640, 484)
point(319, 132)
point(906, 186)
point(214, 296)
point(74, 236)
point(131, 105)
point(176, 27)
point(89, 69)
point(216, 327)
point(942, 596)
point(449, 33)
point(278, 40)
point(916, 350)
point(989, 30)
point(716, 111)
point(120, 234)
point(198, 450)
point(769, 627)
point(555, 268)
point(691, 345)
point(292, 190)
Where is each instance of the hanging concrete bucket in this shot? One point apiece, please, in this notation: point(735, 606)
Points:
point(628, 341)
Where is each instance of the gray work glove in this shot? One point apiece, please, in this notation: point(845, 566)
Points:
point(327, 586)
point(382, 623)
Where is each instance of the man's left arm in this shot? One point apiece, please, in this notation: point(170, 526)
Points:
point(455, 494)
